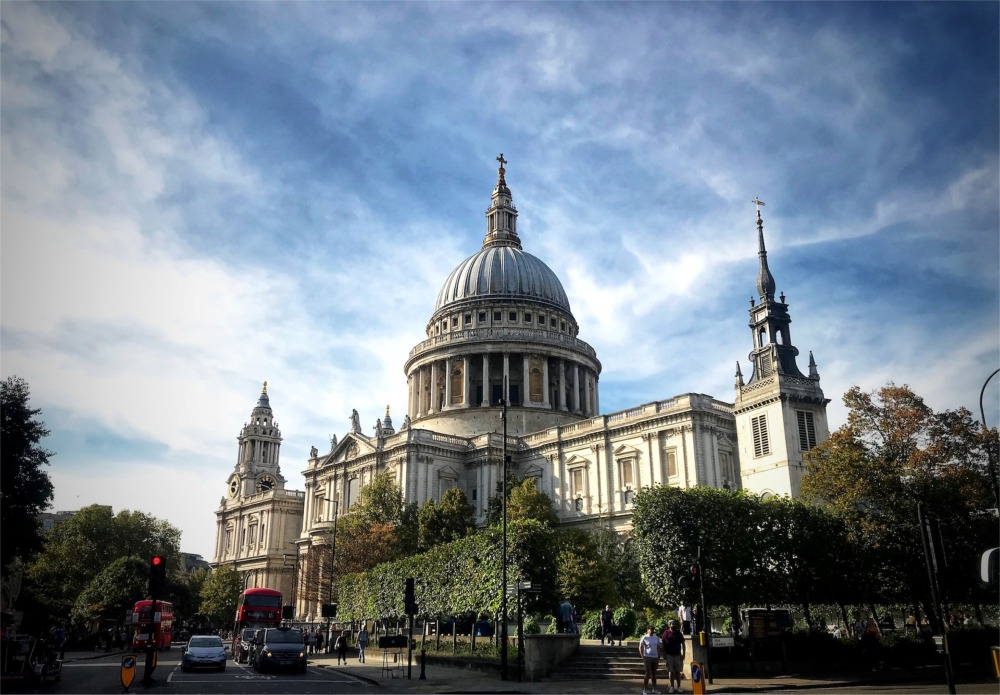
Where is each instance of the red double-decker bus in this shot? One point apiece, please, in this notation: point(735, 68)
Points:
point(161, 621)
point(257, 608)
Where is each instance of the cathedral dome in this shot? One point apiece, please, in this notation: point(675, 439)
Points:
point(503, 272)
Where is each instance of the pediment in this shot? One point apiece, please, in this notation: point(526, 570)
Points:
point(349, 448)
point(448, 472)
point(575, 461)
point(626, 451)
point(533, 471)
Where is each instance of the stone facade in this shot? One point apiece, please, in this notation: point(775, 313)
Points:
point(502, 329)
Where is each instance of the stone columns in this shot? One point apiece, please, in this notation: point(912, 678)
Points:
point(486, 381)
point(466, 382)
point(586, 395)
point(576, 388)
point(562, 384)
point(434, 373)
point(546, 399)
point(506, 376)
point(447, 383)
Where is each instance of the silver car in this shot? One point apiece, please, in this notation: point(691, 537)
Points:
point(204, 651)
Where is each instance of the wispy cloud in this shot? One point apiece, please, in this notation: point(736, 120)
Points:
point(200, 196)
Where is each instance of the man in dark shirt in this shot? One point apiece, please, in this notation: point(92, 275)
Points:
point(607, 625)
point(673, 652)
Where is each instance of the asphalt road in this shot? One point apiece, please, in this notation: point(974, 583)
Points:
point(103, 675)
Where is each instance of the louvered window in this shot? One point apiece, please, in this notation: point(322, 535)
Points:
point(807, 430)
point(761, 445)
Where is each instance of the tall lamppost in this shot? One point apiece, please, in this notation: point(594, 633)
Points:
point(503, 562)
point(333, 563)
point(991, 454)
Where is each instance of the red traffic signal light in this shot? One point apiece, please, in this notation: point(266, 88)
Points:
point(158, 576)
point(695, 570)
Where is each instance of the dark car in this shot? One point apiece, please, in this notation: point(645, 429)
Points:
point(243, 646)
point(280, 647)
point(204, 651)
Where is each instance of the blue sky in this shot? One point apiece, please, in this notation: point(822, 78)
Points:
point(197, 197)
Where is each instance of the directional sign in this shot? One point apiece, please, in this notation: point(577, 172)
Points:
point(723, 642)
point(128, 670)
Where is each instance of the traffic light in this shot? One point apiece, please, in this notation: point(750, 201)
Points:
point(690, 579)
point(328, 610)
point(158, 577)
point(409, 598)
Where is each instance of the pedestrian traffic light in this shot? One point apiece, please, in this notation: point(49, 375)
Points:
point(157, 577)
point(409, 598)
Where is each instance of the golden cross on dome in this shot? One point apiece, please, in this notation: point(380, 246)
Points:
point(501, 160)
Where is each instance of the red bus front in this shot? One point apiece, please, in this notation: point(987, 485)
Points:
point(161, 621)
point(257, 608)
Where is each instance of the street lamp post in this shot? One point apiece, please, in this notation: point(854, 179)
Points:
point(503, 582)
point(991, 454)
point(333, 563)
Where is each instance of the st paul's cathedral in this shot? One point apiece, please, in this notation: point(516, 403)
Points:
point(502, 326)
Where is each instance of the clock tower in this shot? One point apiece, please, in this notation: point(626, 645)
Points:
point(258, 519)
point(780, 412)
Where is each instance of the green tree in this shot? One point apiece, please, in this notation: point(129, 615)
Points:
point(113, 592)
point(26, 487)
point(528, 502)
point(219, 596)
point(893, 454)
point(381, 501)
point(79, 548)
point(450, 520)
point(583, 576)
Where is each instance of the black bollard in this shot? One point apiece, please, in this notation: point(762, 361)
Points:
point(423, 664)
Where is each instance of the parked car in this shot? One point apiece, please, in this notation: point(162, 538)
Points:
point(204, 651)
point(280, 647)
point(243, 646)
point(29, 661)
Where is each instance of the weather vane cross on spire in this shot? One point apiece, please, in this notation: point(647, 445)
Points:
point(758, 202)
point(501, 160)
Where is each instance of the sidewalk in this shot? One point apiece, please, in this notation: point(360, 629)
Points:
point(441, 679)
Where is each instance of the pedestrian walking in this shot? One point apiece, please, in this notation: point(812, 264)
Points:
point(319, 642)
point(362, 643)
point(608, 625)
point(341, 646)
point(649, 650)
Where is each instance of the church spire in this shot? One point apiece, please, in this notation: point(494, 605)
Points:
point(765, 281)
point(501, 218)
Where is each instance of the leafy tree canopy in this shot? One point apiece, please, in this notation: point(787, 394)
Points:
point(79, 548)
point(450, 520)
point(894, 453)
point(381, 501)
point(113, 592)
point(219, 595)
point(26, 488)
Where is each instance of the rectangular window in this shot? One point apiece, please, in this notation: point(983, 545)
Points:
point(497, 315)
point(552, 323)
point(541, 320)
point(761, 444)
point(468, 319)
point(563, 326)
point(625, 475)
point(527, 317)
point(625, 472)
point(482, 316)
point(446, 323)
point(576, 482)
point(474, 492)
point(807, 430)
point(670, 458)
point(512, 316)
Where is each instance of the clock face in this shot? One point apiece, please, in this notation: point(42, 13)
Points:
point(265, 483)
point(234, 487)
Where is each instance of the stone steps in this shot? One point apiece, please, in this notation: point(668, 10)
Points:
point(601, 662)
